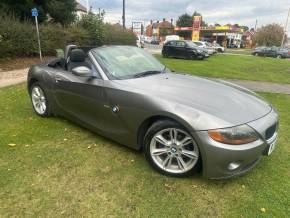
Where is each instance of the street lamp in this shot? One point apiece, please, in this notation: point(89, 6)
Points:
point(123, 17)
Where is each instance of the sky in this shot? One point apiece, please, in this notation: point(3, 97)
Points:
point(243, 12)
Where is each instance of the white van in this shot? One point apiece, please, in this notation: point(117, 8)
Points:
point(171, 37)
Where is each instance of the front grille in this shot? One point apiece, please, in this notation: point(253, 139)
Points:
point(271, 131)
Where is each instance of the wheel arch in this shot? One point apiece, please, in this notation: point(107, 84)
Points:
point(145, 125)
point(31, 82)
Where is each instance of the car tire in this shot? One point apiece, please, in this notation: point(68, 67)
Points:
point(256, 54)
point(279, 56)
point(39, 100)
point(164, 54)
point(171, 150)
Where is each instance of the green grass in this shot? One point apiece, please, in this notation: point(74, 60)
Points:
point(57, 169)
point(239, 51)
point(234, 67)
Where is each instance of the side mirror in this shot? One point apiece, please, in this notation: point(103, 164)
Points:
point(82, 71)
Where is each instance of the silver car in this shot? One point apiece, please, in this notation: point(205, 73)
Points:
point(182, 123)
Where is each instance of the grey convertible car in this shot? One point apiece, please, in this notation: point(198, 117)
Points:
point(182, 123)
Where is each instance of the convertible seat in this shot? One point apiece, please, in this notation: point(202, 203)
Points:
point(77, 58)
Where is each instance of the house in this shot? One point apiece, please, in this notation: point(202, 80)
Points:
point(248, 38)
point(159, 30)
point(80, 10)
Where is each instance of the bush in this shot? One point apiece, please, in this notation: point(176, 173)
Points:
point(116, 35)
point(18, 38)
point(94, 25)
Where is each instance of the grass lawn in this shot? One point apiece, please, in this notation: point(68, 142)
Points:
point(238, 51)
point(53, 168)
point(234, 67)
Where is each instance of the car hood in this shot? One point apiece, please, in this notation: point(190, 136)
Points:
point(225, 101)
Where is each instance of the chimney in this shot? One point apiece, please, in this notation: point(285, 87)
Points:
point(171, 22)
point(151, 22)
point(157, 21)
point(163, 19)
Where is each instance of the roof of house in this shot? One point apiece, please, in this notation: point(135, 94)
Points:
point(162, 24)
point(80, 7)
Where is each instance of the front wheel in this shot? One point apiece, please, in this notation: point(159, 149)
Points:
point(279, 56)
point(171, 150)
point(39, 100)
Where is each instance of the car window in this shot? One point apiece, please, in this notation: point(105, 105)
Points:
point(180, 44)
point(171, 43)
point(198, 43)
point(124, 62)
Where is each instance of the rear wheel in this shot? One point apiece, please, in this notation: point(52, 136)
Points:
point(256, 54)
point(164, 54)
point(171, 150)
point(39, 100)
point(279, 56)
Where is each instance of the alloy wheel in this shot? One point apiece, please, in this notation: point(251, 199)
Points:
point(174, 150)
point(38, 100)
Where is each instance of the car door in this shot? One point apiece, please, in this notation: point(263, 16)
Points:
point(268, 52)
point(170, 48)
point(180, 49)
point(82, 99)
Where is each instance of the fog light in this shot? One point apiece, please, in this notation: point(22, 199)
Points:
point(233, 165)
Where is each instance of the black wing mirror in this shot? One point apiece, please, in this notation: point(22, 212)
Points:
point(82, 71)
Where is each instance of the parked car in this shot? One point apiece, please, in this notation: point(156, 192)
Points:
point(232, 46)
point(206, 46)
point(155, 41)
point(148, 39)
point(180, 122)
point(183, 49)
point(218, 47)
point(271, 52)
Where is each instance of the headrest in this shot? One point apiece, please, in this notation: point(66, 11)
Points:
point(77, 55)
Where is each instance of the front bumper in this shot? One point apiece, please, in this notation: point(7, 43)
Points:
point(224, 161)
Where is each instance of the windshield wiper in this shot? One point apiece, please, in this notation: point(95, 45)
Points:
point(147, 73)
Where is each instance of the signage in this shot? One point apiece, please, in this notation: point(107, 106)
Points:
point(34, 12)
point(196, 27)
point(222, 27)
point(183, 28)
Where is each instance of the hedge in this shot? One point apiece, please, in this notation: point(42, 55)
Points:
point(18, 38)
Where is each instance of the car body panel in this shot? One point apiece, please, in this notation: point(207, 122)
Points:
point(117, 109)
point(174, 49)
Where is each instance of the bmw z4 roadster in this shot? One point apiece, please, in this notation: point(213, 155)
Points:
point(182, 123)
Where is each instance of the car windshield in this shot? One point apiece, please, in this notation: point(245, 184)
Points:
point(198, 43)
point(191, 44)
point(125, 62)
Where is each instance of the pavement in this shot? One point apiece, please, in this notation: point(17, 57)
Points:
point(8, 78)
point(14, 77)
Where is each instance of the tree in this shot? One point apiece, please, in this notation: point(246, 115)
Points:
point(94, 24)
point(269, 35)
point(62, 11)
point(185, 20)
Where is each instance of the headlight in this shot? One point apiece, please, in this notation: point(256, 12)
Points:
point(234, 136)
